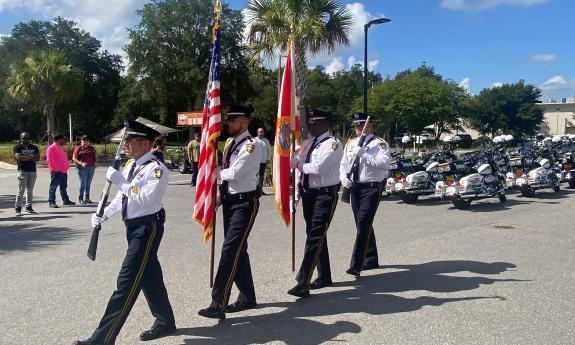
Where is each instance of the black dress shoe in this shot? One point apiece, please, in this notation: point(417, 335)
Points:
point(299, 291)
point(353, 272)
point(370, 266)
point(240, 305)
point(68, 203)
point(157, 332)
point(212, 313)
point(53, 206)
point(320, 283)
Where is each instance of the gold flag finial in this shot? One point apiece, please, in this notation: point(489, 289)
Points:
point(218, 8)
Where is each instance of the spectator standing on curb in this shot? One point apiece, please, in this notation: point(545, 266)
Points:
point(26, 156)
point(265, 157)
point(158, 148)
point(58, 166)
point(85, 158)
point(194, 156)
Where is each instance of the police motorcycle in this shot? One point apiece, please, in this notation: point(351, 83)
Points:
point(398, 168)
point(501, 156)
point(487, 182)
point(437, 168)
point(566, 164)
point(542, 175)
point(519, 163)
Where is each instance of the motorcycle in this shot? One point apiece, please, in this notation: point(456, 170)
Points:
point(567, 169)
point(487, 182)
point(541, 177)
point(399, 167)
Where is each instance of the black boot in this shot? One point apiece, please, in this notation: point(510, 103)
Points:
point(81, 201)
point(87, 200)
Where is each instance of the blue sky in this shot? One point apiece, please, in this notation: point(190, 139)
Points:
point(478, 43)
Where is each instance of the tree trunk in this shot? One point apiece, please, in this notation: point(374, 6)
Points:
point(48, 111)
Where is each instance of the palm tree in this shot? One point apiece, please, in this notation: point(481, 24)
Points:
point(313, 25)
point(44, 78)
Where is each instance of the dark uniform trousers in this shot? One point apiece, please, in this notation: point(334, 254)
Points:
point(141, 270)
point(318, 209)
point(364, 203)
point(234, 267)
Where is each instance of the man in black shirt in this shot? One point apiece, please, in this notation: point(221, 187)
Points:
point(26, 156)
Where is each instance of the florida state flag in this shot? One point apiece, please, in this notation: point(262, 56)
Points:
point(286, 126)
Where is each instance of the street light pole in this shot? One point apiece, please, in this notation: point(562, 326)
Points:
point(365, 70)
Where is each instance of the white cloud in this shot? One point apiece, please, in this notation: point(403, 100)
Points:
point(351, 61)
point(372, 65)
point(334, 66)
point(482, 5)
point(497, 84)
point(557, 87)
point(466, 84)
point(543, 58)
point(106, 20)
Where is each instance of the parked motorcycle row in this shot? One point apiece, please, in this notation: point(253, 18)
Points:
point(544, 163)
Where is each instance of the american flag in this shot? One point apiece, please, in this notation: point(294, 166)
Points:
point(205, 201)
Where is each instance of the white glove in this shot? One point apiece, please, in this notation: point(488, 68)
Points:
point(358, 150)
point(345, 182)
point(98, 220)
point(115, 176)
point(296, 164)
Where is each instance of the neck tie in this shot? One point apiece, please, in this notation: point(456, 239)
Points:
point(231, 148)
point(125, 198)
point(307, 159)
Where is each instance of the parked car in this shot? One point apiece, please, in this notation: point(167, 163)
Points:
point(466, 140)
point(427, 136)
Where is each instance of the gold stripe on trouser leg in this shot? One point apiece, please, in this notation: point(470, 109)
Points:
point(235, 266)
point(333, 204)
point(135, 284)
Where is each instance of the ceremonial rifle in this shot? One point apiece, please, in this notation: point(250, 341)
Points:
point(345, 197)
point(104, 199)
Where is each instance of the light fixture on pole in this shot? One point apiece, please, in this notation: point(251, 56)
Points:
point(365, 28)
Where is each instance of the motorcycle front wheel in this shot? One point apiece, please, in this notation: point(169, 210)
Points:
point(461, 204)
point(527, 191)
point(502, 197)
point(410, 198)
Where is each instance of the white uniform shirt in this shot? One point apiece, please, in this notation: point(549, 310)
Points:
point(324, 161)
point(242, 174)
point(372, 165)
point(146, 190)
point(267, 149)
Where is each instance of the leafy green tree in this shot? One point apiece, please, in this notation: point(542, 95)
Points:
point(510, 108)
point(417, 99)
point(169, 58)
point(93, 111)
point(313, 25)
point(44, 78)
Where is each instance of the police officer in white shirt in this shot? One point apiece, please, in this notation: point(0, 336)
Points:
point(240, 203)
point(318, 163)
point(141, 184)
point(265, 157)
point(365, 187)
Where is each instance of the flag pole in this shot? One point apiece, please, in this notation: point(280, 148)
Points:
point(293, 206)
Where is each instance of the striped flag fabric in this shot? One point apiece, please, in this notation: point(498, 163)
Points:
point(205, 199)
point(286, 126)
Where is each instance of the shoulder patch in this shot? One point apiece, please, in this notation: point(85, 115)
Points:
point(250, 147)
point(158, 172)
point(135, 189)
point(128, 162)
point(334, 145)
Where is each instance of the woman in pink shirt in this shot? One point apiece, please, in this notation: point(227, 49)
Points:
point(58, 166)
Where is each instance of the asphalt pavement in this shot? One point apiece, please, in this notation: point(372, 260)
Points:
point(498, 273)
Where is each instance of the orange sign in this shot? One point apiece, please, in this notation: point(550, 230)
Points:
point(190, 119)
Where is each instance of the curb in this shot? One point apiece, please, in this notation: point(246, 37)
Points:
point(8, 166)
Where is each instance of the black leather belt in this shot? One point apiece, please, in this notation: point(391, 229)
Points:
point(159, 217)
point(227, 197)
point(328, 189)
point(365, 184)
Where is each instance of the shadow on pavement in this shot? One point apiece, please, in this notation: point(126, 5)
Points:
point(27, 236)
point(366, 295)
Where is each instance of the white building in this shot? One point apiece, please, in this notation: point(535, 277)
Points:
point(559, 117)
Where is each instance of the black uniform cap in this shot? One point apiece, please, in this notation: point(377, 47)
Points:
point(314, 115)
point(140, 130)
point(239, 110)
point(359, 118)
